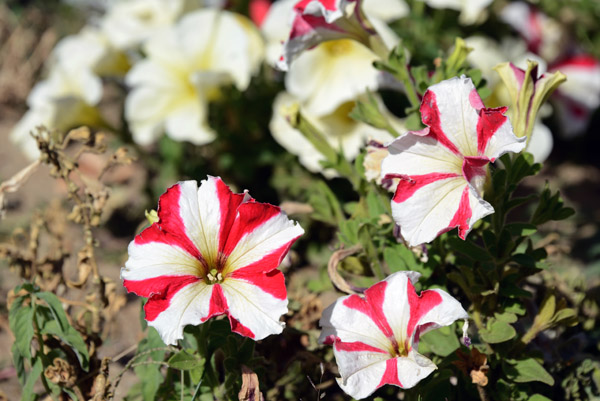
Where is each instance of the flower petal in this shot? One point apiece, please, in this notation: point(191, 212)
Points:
point(260, 237)
point(252, 311)
point(428, 205)
point(186, 302)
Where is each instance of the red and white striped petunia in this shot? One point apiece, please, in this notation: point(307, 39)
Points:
point(375, 337)
point(211, 252)
point(443, 168)
point(317, 21)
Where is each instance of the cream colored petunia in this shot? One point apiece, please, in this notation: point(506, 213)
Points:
point(185, 68)
point(341, 131)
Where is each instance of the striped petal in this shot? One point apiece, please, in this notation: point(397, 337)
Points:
point(372, 335)
point(211, 252)
point(317, 21)
point(254, 306)
point(443, 168)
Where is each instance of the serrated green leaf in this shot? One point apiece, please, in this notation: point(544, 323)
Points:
point(498, 331)
point(184, 360)
point(528, 370)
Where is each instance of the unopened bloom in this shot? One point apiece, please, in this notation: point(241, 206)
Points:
point(212, 252)
point(184, 70)
point(528, 92)
point(375, 337)
point(443, 168)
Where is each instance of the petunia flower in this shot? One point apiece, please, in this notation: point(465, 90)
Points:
point(544, 35)
point(318, 21)
point(65, 99)
point(128, 23)
point(579, 96)
point(443, 168)
point(185, 68)
point(212, 252)
point(339, 129)
point(277, 24)
point(471, 11)
point(375, 337)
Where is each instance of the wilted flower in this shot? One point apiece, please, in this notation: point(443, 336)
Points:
point(339, 129)
point(443, 168)
point(304, 24)
point(375, 337)
point(212, 252)
point(185, 68)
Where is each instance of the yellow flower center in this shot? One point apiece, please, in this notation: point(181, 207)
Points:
point(338, 47)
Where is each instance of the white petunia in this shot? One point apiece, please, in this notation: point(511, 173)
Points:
point(184, 70)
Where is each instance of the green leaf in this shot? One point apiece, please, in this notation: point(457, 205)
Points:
point(539, 397)
point(19, 364)
point(521, 229)
point(442, 341)
point(150, 374)
point(566, 314)
point(20, 320)
point(528, 370)
point(36, 370)
point(184, 360)
point(72, 338)
point(469, 249)
point(497, 331)
point(56, 308)
point(506, 317)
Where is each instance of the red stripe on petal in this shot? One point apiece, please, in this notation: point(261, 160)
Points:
point(474, 166)
point(390, 376)
point(160, 291)
point(430, 115)
point(584, 61)
point(409, 185)
point(419, 305)
point(475, 100)
point(250, 216)
point(218, 303)
point(170, 228)
point(239, 328)
point(372, 306)
point(272, 282)
point(228, 205)
point(490, 120)
point(268, 262)
point(357, 346)
point(462, 216)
